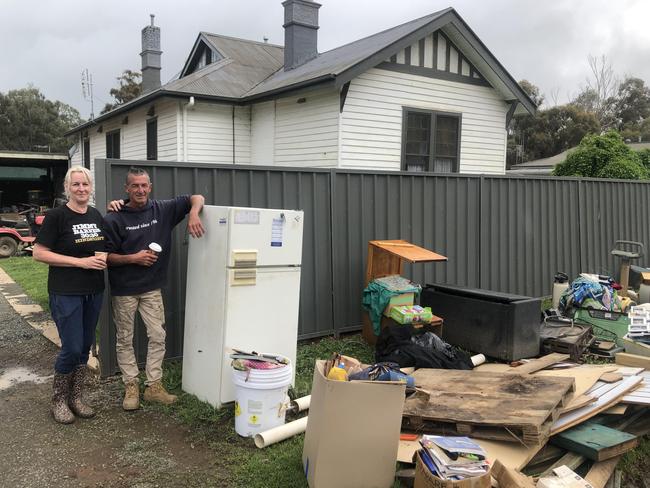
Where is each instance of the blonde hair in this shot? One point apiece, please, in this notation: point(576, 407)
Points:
point(68, 177)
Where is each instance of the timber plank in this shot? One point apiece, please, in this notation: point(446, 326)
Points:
point(626, 359)
point(497, 406)
point(594, 441)
point(608, 399)
point(540, 363)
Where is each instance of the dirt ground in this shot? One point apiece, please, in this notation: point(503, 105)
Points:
point(115, 449)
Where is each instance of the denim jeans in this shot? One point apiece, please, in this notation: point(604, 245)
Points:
point(75, 317)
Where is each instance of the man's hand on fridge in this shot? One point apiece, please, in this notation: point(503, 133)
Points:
point(195, 226)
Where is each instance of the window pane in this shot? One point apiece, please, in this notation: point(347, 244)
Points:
point(152, 139)
point(416, 163)
point(443, 165)
point(113, 145)
point(86, 153)
point(446, 136)
point(417, 141)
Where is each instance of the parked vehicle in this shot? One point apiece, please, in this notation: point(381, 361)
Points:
point(18, 230)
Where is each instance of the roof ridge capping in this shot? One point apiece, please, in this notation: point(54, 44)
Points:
point(437, 14)
point(241, 39)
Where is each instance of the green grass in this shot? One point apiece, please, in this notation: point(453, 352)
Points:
point(280, 464)
point(635, 464)
point(277, 465)
point(31, 276)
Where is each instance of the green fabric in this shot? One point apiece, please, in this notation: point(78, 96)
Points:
point(376, 297)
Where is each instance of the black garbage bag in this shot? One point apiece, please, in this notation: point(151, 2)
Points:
point(418, 347)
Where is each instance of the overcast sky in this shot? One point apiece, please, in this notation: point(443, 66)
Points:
point(48, 43)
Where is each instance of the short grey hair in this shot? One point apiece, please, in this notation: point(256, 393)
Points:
point(68, 177)
point(135, 171)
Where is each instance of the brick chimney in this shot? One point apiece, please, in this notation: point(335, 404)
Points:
point(150, 57)
point(300, 32)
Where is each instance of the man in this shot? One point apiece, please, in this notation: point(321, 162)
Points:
point(137, 273)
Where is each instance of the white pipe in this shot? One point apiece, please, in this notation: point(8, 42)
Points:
point(188, 105)
point(300, 404)
point(478, 359)
point(280, 433)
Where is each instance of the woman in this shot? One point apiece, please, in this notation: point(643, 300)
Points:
point(71, 241)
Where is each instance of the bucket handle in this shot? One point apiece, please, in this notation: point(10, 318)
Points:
point(283, 407)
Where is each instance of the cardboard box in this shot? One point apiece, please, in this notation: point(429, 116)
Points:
point(425, 479)
point(399, 300)
point(352, 433)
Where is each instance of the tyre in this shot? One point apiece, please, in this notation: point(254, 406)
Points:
point(8, 246)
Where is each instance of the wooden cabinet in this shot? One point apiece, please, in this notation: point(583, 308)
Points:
point(387, 258)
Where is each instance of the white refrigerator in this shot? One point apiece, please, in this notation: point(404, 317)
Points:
point(243, 292)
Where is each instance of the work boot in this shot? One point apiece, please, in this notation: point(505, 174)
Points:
point(131, 395)
point(75, 400)
point(59, 405)
point(155, 392)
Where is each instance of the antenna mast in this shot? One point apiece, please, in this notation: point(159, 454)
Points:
point(87, 90)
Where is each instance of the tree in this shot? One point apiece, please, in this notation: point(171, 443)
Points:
point(632, 108)
point(603, 84)
point(28, 121)
point(552, 131)
point(130, 87)
point(604, 156)
point(533, 92)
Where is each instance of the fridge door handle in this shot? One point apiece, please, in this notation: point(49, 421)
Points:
point(243, 277)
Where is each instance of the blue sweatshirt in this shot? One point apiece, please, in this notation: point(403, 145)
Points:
point(131, 230)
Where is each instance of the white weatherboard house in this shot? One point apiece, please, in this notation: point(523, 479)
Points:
point(423, 96)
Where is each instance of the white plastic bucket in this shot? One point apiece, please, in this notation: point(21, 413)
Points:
point(260, 399)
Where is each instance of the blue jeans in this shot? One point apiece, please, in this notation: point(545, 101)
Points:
point(75, 317)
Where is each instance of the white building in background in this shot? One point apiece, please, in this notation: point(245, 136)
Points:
point(426, 95)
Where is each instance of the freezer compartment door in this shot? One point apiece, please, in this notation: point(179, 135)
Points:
point(274, 237)
point(261, 317)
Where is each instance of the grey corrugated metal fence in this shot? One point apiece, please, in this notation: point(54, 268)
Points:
point(501, 233)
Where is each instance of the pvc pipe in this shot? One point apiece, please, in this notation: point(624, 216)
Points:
point(478, 359)
point(300, 404)
point(280, 433)
point(188, 105)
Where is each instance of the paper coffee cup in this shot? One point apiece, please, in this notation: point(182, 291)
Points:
point(101, 254)
point(155, 247)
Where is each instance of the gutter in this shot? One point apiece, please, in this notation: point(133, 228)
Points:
point(215, 98)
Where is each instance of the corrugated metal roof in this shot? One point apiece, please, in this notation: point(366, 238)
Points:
point(32, 155)
point(251, 70)
point(245, 65)
point(338, 60)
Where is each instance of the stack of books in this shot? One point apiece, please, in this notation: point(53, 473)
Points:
point(453, 458)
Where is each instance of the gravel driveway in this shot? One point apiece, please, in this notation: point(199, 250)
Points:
point(115, 449)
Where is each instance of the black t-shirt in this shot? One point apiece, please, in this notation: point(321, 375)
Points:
point(131, 230)
point(67, 232)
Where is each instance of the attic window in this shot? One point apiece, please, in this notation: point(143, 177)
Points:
point(203, 56)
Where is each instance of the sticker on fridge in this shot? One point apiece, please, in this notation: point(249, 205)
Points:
point(276, 232)
point(247, 217)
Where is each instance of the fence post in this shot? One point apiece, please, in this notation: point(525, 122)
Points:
point(106, 356)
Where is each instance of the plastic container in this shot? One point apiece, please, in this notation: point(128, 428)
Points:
point(560, 283)
point(338, 373)
point(260, 399)
point(499, 325)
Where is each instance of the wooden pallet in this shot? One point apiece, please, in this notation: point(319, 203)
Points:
point(496, 406)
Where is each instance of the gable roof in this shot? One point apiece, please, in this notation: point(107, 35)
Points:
point(252, 70)
point(243, 65)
